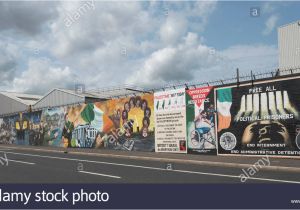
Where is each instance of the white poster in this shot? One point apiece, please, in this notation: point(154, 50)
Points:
point(170, 121)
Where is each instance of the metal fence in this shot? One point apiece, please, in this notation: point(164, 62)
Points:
point(249, 77)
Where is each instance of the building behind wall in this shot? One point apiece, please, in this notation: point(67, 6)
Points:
point(289, 46)
point(14, 103)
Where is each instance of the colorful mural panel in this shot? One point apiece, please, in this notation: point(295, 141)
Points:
point(120, 124)
point(200, 120)
point(259, 119)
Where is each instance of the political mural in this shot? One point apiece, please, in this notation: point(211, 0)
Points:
point(51, 128)
point(120, 124)
point(21, 129)
point(8, 133)
point(200, 121)
point(259, 119)
point(170, 121)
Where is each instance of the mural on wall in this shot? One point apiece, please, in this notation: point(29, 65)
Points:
point(21, 129)
point(7, 130)
point(51, 127)
point(200, 120)
point(170, 121)
point(121, 124)
point(41, 128)
point(259, 119)
point(81, 125)
point(35, 131)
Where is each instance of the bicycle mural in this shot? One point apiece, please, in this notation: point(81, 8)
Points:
point(200, 120)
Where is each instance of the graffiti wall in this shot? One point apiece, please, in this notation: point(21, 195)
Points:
point(120, 124)
point(170, 121)
point(200, 120)
point(51, 128)
point(259, 119)
point(20, 129)
point(7, 130)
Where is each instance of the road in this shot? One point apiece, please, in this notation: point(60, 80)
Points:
point(49, 167)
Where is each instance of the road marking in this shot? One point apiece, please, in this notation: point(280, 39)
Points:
point(234, 176)
point(5, 149)
point(17, 161)
point(175, 160)
point(106, 175)
point(155, 168)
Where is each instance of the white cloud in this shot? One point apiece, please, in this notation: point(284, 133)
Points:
point(268, 7)
point(8, 62)
point(177, 63)
point(27, 18)
point(270, 24)
point(41, 76)
point(117, 43)
point(257, 57)
point(173, 29)
point(195, 62)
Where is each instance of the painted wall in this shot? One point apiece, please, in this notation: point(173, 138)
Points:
point(260, 119)
point(19, 129)
point(200, 121)
point(251, 119)
point(43, 128)
point(120, 124)
point(170, 121)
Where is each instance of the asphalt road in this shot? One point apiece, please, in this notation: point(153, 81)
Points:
point(48, 167)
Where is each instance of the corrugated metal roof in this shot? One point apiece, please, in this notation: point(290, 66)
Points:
point(19, 102)
point(27, 99)
point(285, 25)
point(59, 97)
point(12, 103)
point(76, 93)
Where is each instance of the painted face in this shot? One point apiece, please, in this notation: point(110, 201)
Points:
point(144, 105)
point(127, 106)
point(266, 131)
point(131, 103)
point(145, 123)
point(138, 103)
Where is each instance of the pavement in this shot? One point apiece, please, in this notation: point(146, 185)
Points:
point(31, 164)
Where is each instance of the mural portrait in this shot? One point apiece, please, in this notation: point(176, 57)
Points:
point(259, 119)
point(121, 124)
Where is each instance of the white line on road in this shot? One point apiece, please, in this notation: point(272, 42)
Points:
point(154, 168)
point(17, 161)
point(111, 176)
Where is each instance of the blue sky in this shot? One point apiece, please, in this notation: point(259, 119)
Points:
point(44, 45)
point(231, 23)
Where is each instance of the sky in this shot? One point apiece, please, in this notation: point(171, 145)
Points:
point(45, 45)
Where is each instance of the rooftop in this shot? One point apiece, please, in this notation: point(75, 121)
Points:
point(27, 99)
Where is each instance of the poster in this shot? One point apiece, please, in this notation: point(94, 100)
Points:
point(170, 121)
point(119, 124)
point(259, 119)
point(200, 121)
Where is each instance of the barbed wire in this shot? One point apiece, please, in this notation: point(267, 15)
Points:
point(243, 78)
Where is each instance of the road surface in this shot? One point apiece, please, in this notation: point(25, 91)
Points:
point(49, 167)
